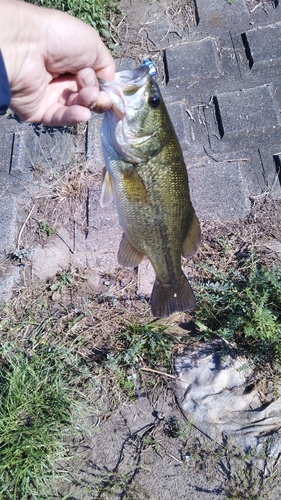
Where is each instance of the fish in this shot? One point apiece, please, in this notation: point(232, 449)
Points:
point(146, 177)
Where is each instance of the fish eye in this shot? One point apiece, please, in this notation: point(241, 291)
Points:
point(154, 101)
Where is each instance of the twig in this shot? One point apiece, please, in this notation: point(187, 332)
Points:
point(256, 7)
point(23, 226)
point(146, 369)
point(170, 454)
point(60, 237)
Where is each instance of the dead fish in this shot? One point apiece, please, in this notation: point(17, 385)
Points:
point(146, 177)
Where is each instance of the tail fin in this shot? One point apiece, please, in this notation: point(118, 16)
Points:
point(169, 298)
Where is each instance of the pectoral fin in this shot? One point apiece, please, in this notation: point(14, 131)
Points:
point(128, 256)
point(134, 187)
point(107, 189)
point(192, 240)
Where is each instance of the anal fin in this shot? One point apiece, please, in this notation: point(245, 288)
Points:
point(127, 255)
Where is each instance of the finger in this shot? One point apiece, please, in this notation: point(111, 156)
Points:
point(86, 97)
point(86, 78)
point(59, 115)
point(102, 104)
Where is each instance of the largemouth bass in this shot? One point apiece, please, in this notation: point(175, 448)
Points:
point(146, 177)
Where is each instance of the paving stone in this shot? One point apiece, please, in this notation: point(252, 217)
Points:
point(262, 45)
point(5, 154)
point(187, 127)
point(255, 174)
point(16, 163)
point(10, 124)
point(8, 279)
point(246, 115)
point(22, 158)
point(214, 198)
point(146, 278)
point(8, 211)
point(104, 230)
point(271, 163)
point(265, 12)
point(193, 60)
point(94, 154)
point(220, 15)
point(54, 256)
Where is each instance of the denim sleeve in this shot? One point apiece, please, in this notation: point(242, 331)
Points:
point(5, 93)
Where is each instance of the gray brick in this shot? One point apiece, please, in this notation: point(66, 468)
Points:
point(193, 60)
point(94, 153)
point(262, 45)
point(5, 153)
point(246, 117)
point(216, 199)
point(21, 161)
point(270, 156)
point(276, 181)
point(220, 15)
point(8, 224)
point(187, 127)
point(265, 12)
point(10, 124)
point(9, 277)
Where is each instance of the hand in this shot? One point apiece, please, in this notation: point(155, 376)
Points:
point(52, 61)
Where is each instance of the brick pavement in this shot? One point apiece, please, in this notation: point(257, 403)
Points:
point(224, 96)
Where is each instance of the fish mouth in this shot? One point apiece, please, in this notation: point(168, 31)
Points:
point(130, 80)
point(127, 89)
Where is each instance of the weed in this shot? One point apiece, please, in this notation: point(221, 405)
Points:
point(65, 280)
point(245, 483)
point(93, 12)
point(137, 346)
point(113, 484)
point(45, 229)
point(242, 304)
point(172, 427)
point(20, 254)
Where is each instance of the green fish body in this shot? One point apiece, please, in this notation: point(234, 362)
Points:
point(147, 179)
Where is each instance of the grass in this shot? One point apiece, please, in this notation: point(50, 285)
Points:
point(39, 407)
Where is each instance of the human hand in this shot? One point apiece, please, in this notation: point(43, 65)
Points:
point(52, 62)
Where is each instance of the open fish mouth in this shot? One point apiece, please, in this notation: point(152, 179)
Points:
point(129, 80)
point(127, 89)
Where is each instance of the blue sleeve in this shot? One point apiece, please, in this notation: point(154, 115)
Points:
point(5, 93)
